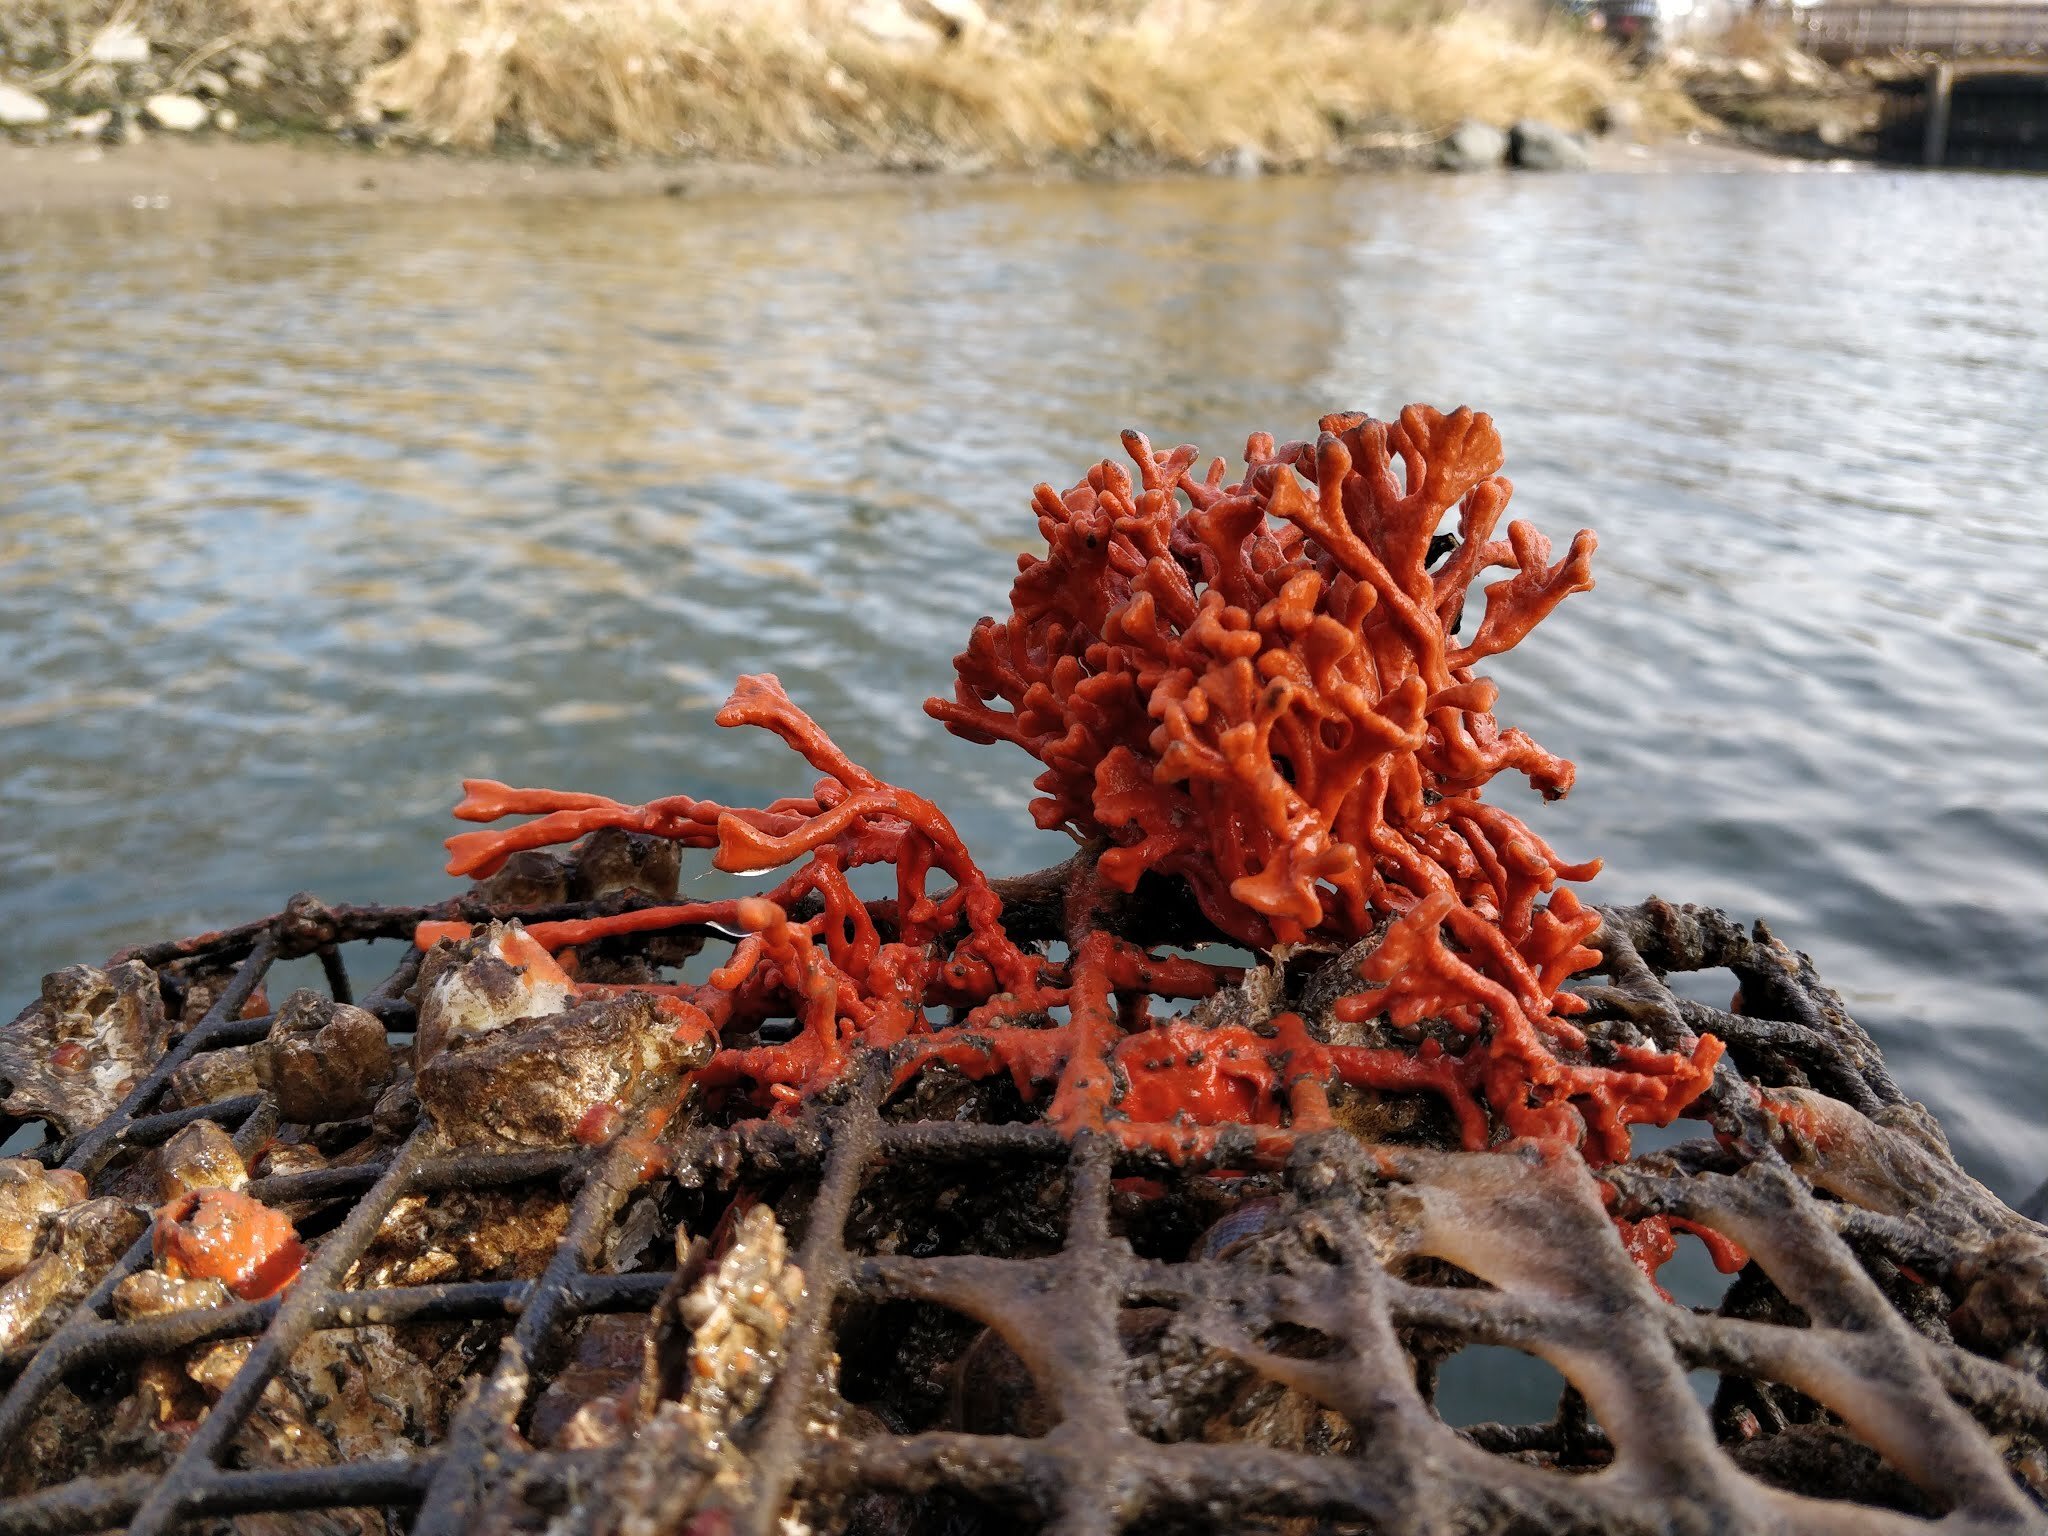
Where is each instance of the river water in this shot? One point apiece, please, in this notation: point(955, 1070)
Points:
point(305, 516)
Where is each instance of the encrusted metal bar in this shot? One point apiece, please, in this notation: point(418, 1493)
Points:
point(1879, 1353)
point(95, 1504)
point(153, 1130)
point(106, 1343)
point(87, 1504)
point(1094, 1434)
point(549, 1304)
point(823, 1259)
point(187, 1478)
point(364, 1483)
point(336, 971)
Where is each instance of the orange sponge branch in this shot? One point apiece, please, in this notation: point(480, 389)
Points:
point(1254, 687)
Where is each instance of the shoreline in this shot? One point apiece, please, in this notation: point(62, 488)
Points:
point(233, 174)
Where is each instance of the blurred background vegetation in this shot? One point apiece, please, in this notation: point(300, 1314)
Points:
point(944, 83)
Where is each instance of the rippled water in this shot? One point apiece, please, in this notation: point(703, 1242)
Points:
point(305, 516)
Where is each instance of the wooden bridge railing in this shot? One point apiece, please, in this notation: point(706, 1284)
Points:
point(1946, 31)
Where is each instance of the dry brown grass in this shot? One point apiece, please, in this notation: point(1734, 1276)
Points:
point(1171, 81)
point(1755, 35)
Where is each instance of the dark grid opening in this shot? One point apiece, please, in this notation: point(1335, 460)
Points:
point(1087, 1339)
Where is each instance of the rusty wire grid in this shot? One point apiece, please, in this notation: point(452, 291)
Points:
point(980, 1325)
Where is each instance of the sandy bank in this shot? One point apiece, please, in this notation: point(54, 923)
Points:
point(162, 173)
point(219, 173)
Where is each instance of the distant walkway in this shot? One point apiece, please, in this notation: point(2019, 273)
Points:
point(2005, 32)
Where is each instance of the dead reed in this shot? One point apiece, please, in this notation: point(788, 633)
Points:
point(1033, 82)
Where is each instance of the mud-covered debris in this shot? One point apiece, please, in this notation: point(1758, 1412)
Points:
point(1179, 1383)
point(592, 1402)
point(612, 860)
point(192, 994)
point(534, 878)
point(73, 1054)
point(299, 1149)
point(347, 1395)
point(375, 1391)
point(540, 1083)
point(2004, 1310)
point(482, 1234)
point(75, 1247)
point(397, 1109)
point(1181, 1386)
point(738, 1318)
point(992, 1392)
point(28, 1193)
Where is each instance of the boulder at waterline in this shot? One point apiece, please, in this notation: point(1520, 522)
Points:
point(1472, 146)
point(179, 114)
point(1539, 146)
point(21, 109)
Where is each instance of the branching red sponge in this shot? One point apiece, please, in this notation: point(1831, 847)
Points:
point(1257, 686)
point(1254, 688)
point(846, 982)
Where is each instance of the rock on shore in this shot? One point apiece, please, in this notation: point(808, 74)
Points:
point(1472, 146)
point(1538, 146)
point(179, 114)
point(21, 109)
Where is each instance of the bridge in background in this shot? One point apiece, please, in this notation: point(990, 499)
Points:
point(1979, 92)
point(1839, 33)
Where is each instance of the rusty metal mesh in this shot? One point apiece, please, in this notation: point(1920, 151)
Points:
point(1877, 1366)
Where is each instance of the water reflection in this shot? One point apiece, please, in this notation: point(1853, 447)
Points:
point(303, 517)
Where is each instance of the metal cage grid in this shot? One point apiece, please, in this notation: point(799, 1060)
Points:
point(1383, 1258)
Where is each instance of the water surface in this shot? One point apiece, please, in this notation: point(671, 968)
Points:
point(305, 516)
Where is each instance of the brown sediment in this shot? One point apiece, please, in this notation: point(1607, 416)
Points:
point(171, 176)
point(167, 175)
